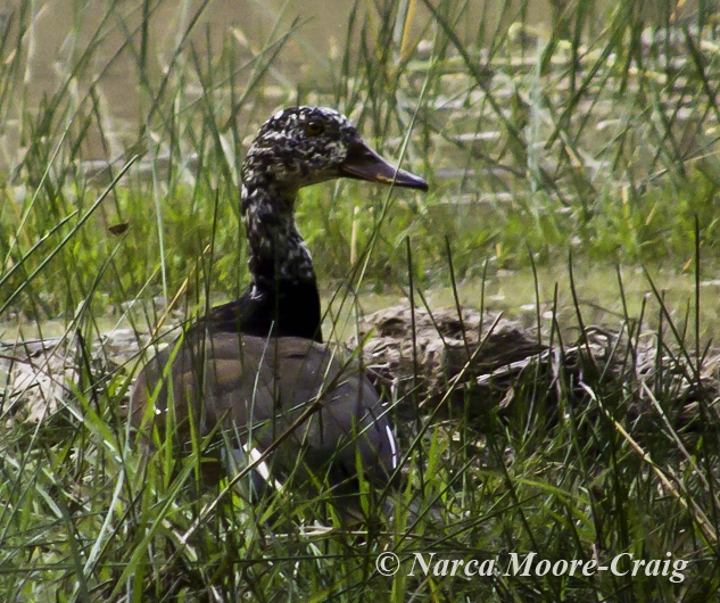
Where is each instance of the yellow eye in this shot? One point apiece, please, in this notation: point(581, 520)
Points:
point(314, 128)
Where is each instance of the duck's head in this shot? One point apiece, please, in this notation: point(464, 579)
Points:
point(300, 146)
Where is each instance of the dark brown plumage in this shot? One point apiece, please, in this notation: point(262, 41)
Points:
point(254, 371)
point(260, 390)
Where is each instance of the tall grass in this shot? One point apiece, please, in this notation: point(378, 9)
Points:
point(591, 134)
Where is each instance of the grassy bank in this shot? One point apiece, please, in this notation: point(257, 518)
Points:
point(592, 136)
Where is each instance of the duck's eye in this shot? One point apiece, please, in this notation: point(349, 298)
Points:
point(314, 128)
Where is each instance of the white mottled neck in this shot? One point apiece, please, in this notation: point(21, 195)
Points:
point(277, 251)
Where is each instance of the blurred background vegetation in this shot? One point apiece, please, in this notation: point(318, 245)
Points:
point(543, 128)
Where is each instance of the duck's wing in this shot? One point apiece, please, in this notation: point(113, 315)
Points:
point(289, 394)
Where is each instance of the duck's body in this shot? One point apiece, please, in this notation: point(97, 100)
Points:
point(255, 369)
point(322, 411)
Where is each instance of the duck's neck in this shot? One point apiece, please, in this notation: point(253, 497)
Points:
point(283, 297)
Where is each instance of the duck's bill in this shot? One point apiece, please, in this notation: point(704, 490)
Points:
point(363, 163)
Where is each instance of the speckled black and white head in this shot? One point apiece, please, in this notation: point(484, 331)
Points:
point(297, 147)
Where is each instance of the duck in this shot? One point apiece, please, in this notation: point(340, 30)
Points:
point(254, 375)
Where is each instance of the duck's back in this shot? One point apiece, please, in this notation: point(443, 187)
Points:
point(281, 309)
